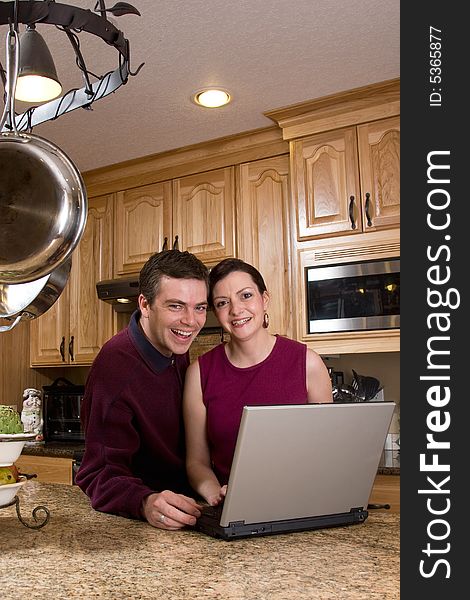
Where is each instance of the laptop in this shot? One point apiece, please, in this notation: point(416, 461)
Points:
point(300, 467)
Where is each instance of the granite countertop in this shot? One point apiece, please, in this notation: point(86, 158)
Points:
point(389, 463)
point(388, 471)
point(81, 553)
point(58, 449)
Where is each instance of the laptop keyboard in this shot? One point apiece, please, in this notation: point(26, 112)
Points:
point(214, 512)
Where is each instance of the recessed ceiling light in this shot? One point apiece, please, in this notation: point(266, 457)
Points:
point(211, 98)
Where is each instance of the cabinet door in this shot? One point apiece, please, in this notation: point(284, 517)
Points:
point(142, 222)
point(49, 333)
point(325, 184)
point(379, 160)
point(203, 214)
point(48, 469)
point(263, 233)
point(76, 326)
point(91, 319)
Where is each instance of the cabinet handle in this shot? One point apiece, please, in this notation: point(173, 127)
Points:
point(71, 349)
point(62, 349)
point(165, 244)
point(175, 243)
point(367, 206)
point(351, 212)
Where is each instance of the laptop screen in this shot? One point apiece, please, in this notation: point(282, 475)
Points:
point(306, 460)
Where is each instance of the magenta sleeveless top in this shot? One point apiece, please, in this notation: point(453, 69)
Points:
point(226, 389)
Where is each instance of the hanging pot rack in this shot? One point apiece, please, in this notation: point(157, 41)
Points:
point(73, 20)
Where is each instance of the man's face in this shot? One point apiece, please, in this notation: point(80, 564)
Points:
point(176, 315)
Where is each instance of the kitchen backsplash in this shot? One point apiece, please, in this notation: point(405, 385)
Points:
point(205, 342)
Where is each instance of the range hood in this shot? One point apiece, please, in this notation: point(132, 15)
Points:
point(121, 293)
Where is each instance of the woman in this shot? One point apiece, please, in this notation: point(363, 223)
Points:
point(254, 367)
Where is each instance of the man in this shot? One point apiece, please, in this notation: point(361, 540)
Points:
point(133, 463)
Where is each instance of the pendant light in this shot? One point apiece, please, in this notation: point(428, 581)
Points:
point(37, 75)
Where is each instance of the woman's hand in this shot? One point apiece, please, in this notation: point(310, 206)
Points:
point(167, 510)
point(217, 498)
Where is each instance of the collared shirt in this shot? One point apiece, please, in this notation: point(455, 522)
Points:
point(153, 357)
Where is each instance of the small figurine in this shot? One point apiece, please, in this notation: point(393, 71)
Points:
point(31, 415)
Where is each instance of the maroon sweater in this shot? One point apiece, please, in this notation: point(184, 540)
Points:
point(134, 437)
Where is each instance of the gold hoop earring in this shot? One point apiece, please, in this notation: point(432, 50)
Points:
point(266, 320)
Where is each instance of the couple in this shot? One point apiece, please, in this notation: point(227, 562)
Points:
point(142, 459)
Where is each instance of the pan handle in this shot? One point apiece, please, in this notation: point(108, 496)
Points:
point(15, 322)
point(12, 59)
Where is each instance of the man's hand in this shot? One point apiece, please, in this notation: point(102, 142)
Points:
point(167, 510)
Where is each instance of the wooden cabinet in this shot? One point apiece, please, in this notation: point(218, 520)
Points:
point(379, 162)
point(347, 181)
point(195, 213)
point(263, 232)
point(49, 333)
point(49, 469)
point(203, 214)
point(386, 490)
point(142, 224)
point(73, 330)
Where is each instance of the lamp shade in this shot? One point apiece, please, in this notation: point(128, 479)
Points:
point(37, 75)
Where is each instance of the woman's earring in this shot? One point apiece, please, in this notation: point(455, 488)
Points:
point(266, 320)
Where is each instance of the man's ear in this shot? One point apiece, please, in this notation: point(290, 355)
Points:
point(144, 305)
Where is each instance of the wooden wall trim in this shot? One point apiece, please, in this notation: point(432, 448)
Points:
point(360, 105)
point(197, 158)
point(355, 342)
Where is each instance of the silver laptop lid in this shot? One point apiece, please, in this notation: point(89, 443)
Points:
point(308, 460)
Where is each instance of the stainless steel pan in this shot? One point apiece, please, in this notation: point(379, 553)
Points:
point(43, 202)
point(22, 301)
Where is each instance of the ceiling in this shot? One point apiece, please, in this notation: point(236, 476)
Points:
point(268, 53)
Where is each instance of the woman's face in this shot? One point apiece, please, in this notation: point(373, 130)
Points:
point(239, 305)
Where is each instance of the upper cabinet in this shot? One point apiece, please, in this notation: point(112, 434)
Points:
point(194, 213)
point(203, 214)
point(347, 181)
point(263, 232)
point(142, 225)
point(73, 330)
point(379, 169)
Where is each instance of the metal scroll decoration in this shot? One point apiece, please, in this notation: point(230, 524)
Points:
point(39, 521)
point(72, 20)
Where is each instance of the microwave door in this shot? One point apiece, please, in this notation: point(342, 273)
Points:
point(353, 297)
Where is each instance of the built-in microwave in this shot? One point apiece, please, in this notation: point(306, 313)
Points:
point(353, 296)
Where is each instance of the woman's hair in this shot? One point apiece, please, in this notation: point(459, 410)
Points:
point(170, 263)
point(231, 265)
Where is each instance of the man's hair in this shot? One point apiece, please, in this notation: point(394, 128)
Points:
point(170, 263)
point(231, 265)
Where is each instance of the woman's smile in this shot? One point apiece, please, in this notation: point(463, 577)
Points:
point(241, 322)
